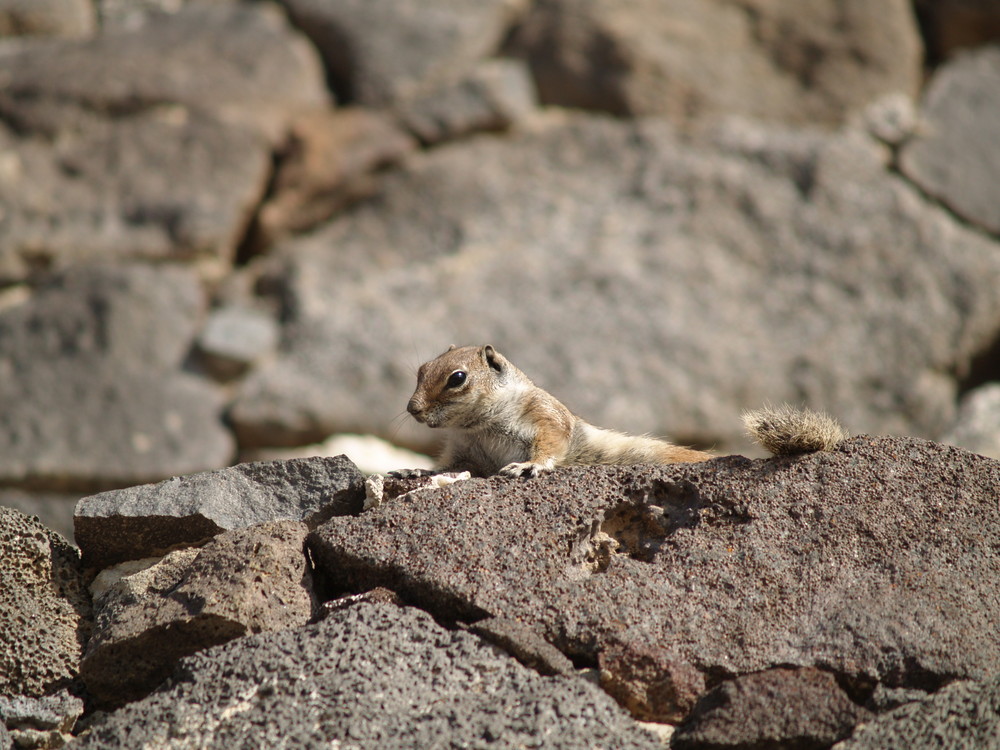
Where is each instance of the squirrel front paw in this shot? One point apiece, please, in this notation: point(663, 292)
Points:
point(524, 469)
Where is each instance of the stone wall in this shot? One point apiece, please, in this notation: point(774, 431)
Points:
point(232, 230)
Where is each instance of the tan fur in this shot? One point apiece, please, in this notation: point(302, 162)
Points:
point(499, 422)
point(784, 430)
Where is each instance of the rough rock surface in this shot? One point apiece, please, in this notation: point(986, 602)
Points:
point(492, 96)
point(381, 52)
point(53, 509)
point(161, 184)
point(875, 561)
point(151, 519)
point(45, 609)
point(92, 386)
point(44, 722)
point(240, 62)
point(369, 676)
point(164, 162)
point(803, 709)
point(242, 581)
point(233, 338)
point(963, 716)
point(327, 163)
point(791, 60)
point(649, 680)
point(657, 267)
point(953, 155)
point(525, 645)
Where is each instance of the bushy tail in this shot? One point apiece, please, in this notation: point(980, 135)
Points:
point(784, 430)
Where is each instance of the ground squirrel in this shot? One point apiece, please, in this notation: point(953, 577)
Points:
point(499, 422)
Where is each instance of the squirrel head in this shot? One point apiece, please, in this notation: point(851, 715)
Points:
point(455, 388)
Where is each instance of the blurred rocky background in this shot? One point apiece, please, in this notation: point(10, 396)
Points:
point(233, 229)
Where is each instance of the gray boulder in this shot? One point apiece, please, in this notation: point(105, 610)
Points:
point(91, 381)
point(234, 337)
point(802, 709)
point(874, 562)
point(162, 184)
point(243, 581)
point(368, 676)
point(156, 140)
point(241, 62)
point(953, 155)
point(149, 520)
point(650, 283)
point(381, 52)
point(44, 608)
point(492, 96)
point(792, 60)
point(963, 716)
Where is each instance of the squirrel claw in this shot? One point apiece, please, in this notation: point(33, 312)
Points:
point(524, 470)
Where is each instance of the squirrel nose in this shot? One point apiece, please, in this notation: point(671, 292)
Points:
point(413, 406)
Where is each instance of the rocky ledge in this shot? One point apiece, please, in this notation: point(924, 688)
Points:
point(845, 597)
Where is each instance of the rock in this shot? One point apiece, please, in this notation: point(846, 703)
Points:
point(88, 430)
point(679, 283)
point(525, 645)
point(165, 162)
point(132, 314)
point(243, 581)
point(381, 52)
point(39, 722)
point(234, 337)
point(885, 698)
point(329, 162)
point(64, 18)
point(950, 26)
point(977, 426)
point(788, 61)
point(369, 676)
point(650, 681)
point(779, 708)
point(874, 562)
point(163, 184)
point(891, 119)
point(953, 155)
point(369, 453)
point(45, 610)
point(241, 63)
point(53, 509)
point(151, 519)
point(375, 596)
point(129, 15)
point(964, 715)
point(493, 96)
point(91, 381)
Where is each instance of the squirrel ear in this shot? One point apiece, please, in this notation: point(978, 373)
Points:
point(493, 359)
point(451, 347)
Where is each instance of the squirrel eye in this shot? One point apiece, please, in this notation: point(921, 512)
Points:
point(456, 379)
